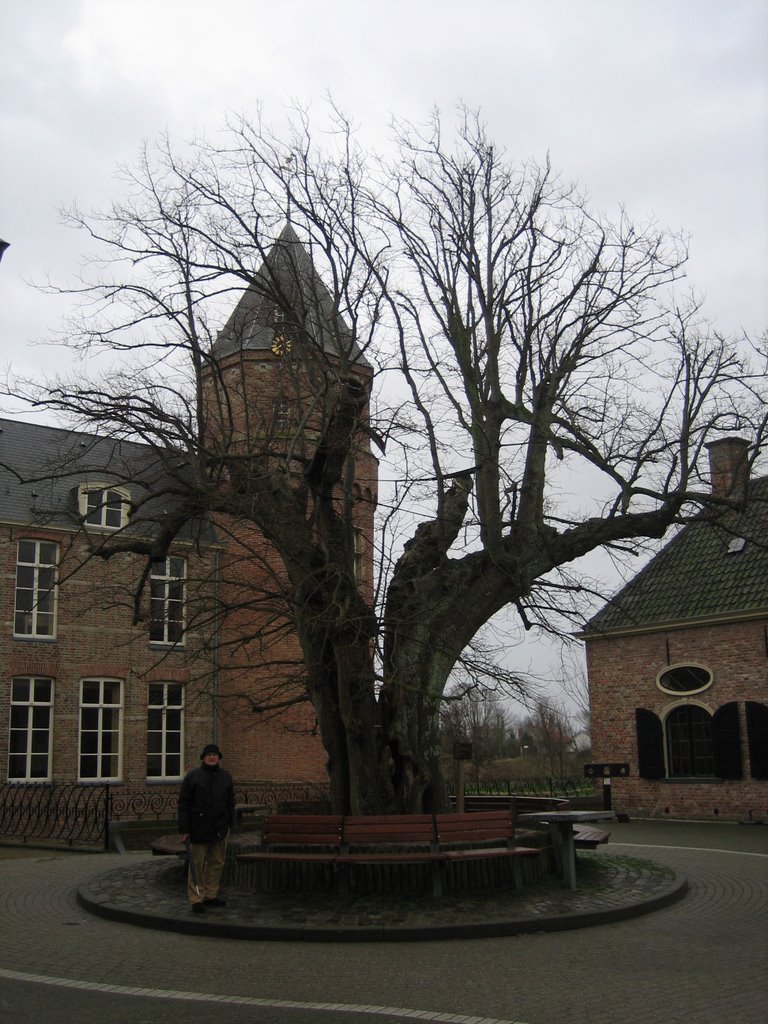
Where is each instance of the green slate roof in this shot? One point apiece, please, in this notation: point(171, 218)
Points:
point(712, 569)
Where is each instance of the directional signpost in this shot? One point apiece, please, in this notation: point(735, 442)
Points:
point(607, 771)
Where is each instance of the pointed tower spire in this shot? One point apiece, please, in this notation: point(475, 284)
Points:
point(288, 297)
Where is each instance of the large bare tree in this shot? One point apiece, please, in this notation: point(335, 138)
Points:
point(538, 386)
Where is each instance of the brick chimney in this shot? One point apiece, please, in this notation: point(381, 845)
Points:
point(728, 466)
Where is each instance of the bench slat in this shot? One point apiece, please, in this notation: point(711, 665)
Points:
point(494, 826)
point(493, 852)
point(389, 857)
point(167, 846)
point(302, 829)
point(279, 856)
point(588, 838)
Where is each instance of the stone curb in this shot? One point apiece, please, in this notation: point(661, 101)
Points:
point(131, 901)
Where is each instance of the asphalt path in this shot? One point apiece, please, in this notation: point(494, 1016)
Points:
point(700, 961)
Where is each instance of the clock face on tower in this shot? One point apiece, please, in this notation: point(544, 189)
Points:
point(281, 344)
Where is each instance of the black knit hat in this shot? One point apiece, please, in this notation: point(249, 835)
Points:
point(210, 748)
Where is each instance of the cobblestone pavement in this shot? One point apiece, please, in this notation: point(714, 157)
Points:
point(699, 960)
point(152, 893)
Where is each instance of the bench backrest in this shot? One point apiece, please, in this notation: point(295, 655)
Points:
point(496, 824)
point(476, 826)
point(484, 801)
point(415, 829)
point(532, 804)
point(518, 804)
point(304, 829)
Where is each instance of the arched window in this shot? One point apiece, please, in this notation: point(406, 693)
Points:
point(690, 750)
point(698, 745)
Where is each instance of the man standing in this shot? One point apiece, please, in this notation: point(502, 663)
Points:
point(206, 813)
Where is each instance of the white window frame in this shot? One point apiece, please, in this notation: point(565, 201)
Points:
point(164, 707)
point(283, 414)
point(358, 542)
point(42, 573)
point(103, 506)
point(166, 579)
point(668, 669)
point(106, 711)
point(39, 720)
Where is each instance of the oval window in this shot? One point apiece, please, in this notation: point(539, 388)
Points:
point(684, 679)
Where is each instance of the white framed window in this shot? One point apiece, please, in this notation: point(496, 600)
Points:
point(30, 732)
point(103, 506)
point(167, 585)
point(359, 553)
point(684, 678)
point(101, 722)
point(35, 609)
point(165, 730)
point(282, 413)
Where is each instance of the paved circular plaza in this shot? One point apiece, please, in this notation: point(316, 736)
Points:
point(699, 959)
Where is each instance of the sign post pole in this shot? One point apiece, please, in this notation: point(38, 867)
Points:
point(606, 772)
point(462, 752)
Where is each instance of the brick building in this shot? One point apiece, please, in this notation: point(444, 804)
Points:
point(99, 686)
point(678, 664)
point(93, 688)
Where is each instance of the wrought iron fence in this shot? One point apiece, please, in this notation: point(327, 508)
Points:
point(80, 815)
point(543, 785)
point(66, 813)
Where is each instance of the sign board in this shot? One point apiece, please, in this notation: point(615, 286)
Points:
point(606, 771)
point(462, 751)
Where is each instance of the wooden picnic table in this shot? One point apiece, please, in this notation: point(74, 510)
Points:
point(561, 826)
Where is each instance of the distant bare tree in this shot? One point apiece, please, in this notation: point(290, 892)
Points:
point(552, 732)
point(574, 683)
point(481, 718)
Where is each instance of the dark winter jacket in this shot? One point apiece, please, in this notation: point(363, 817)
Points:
point(206, 804)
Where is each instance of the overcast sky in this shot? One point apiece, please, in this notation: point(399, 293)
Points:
point(659, 105)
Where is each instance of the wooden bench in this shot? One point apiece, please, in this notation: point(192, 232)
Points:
point(389, 839)
point(166, 846)
point(432, 839)
point(585, 837)
point(246, 810)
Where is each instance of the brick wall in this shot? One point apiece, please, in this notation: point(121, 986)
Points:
point(259, 655)
point(96, 637)
point(622, 676)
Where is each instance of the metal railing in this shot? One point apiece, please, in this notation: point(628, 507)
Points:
point(65, 813)
point(80, 815)
point(541, 785)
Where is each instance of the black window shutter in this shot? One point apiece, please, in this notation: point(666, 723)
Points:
point(727, 741)
point(757, 737)
point(650, 744)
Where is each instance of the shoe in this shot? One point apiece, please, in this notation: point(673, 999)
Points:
point(215, 901)
point(198, 908)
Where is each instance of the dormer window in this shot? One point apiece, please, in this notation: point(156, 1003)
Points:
point(104, 507)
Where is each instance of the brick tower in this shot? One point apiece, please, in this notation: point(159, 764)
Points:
point(271, 383)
